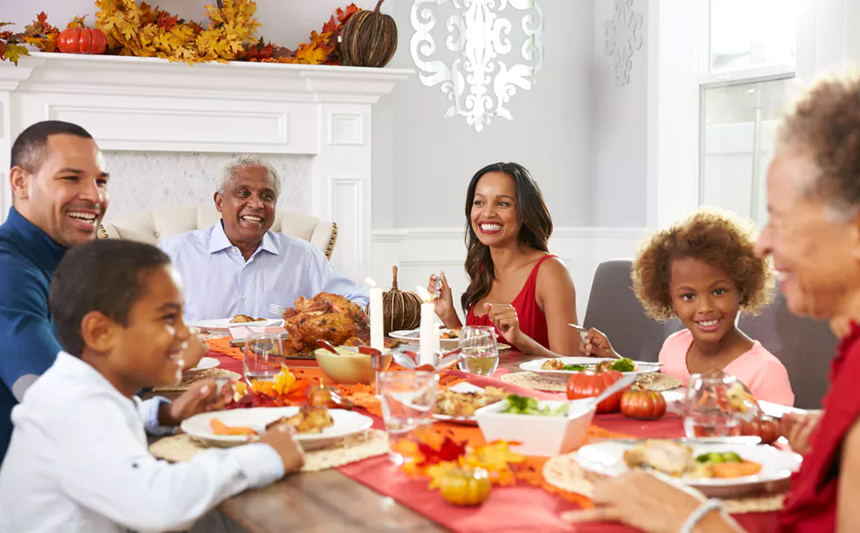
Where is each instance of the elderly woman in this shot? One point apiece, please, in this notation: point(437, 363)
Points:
point(813, 235)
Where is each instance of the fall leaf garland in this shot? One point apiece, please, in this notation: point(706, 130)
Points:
point(144, 31)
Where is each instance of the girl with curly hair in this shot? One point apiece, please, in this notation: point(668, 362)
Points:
point(704, 271)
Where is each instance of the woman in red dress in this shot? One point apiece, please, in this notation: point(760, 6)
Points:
point(813, 235)
point(516, 285)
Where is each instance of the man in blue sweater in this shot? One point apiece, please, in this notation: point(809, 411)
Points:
point(59, 189)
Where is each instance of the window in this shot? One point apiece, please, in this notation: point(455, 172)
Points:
point(747, 81)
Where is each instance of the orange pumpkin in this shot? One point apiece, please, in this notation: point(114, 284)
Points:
point(82, 41)
point(643, 404)
point(590, 384)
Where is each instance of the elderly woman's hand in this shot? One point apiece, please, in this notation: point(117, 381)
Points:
point(651, 502)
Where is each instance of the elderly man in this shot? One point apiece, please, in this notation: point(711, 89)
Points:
point(59, 188)
point(238, 266)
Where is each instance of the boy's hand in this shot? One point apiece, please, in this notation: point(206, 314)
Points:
point(195, 351)
point(280, 437)
point(199, 398)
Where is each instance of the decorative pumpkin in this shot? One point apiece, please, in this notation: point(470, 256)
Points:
point(400, 310)
point(642, 404)
point(590, 384)
point(764, 426)
point(369, 39)
point(82, 41)
point(465, 488)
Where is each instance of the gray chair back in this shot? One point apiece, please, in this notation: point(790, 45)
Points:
point(614, 309)
point(803, 345)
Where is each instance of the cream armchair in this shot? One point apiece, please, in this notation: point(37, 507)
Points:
point(153, 226)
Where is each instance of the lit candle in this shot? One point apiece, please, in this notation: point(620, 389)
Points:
point(377, 335)
point(426, 353)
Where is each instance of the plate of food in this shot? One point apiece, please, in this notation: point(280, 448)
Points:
point(205, 363)
point(459, 403)
point(721, 470)
point(316, 427)
point(449, 339)
point(224, 324)
point(565, 366)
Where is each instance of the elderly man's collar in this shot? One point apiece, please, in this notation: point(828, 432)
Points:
point(219, 241)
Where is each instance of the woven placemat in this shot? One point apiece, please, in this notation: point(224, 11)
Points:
point(187, 380)
point(535, 381)
point(564, 472)
point(371, 443)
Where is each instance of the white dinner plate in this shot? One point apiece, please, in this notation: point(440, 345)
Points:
point(607, 458)
point(535, 366)
point(224, 324)
point(345, 423)
point(412, 336)
point(205, 364)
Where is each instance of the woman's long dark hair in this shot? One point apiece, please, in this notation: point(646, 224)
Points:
point(535, 232)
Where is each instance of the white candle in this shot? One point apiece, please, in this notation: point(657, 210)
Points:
point(436, 342)
point(377, 334)
point(426, 354)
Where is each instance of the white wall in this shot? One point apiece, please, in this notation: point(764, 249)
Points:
point(582, 137)
point(619, 117)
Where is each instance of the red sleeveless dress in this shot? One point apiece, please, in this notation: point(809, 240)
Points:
point(811, 503)
point(532, 319)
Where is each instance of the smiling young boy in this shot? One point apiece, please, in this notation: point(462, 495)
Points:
point(78, 460)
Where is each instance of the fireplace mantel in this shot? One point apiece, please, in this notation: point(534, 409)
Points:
point(154, 105)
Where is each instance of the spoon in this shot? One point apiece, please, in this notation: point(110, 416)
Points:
point(326, 345)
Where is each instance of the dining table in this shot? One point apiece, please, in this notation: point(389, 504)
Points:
point(333, 500)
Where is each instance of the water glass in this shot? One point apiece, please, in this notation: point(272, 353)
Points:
point(479, 352)
point(263, 356)
point(707, 407)
point(408, 399)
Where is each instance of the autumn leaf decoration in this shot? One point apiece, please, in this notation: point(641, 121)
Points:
point(143, 31)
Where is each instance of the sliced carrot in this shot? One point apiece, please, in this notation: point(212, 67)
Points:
point(730, 470)
point(220, 428)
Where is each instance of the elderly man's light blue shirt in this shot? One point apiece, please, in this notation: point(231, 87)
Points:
point(219, 283)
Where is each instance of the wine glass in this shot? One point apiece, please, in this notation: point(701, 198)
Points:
point(407, 399)
point(479, 353)
point(708, 410)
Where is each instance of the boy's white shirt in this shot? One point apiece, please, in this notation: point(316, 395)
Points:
point(79, 462)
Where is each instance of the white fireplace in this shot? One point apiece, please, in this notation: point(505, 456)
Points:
point(165, 127)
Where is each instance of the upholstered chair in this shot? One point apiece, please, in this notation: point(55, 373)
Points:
point(154, 226)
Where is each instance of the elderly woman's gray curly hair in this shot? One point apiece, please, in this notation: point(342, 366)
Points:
point(247, 160)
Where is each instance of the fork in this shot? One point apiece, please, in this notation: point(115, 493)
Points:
point(277, 309)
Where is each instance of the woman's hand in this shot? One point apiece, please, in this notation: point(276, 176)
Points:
point(798, 428)
point(597, 345)
point(201, 396)
point(650, 502)
point(504, 317)
point(444, 300)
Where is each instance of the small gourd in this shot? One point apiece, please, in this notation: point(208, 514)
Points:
point(400, 309)
point(369, 39)
point(465, 488)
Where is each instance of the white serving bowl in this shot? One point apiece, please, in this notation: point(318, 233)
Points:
point(545, 436)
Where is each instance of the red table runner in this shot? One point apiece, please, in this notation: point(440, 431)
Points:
point(509, 509)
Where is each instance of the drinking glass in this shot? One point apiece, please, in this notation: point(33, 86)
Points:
point(707, 408)
point(408, 399)
point(479, 353)
point(263, 356)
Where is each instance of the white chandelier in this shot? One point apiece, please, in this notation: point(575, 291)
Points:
point(477, 80)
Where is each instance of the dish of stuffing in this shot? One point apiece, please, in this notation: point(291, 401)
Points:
point(316, 427)
point(720, 468)
point(459, 403)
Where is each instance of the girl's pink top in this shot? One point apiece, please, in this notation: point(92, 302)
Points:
point(758, 369)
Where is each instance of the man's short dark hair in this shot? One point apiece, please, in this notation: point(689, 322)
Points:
point(31, 146)
point(107, 276)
